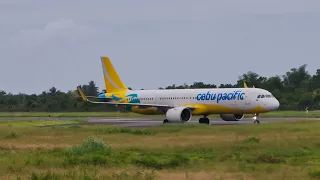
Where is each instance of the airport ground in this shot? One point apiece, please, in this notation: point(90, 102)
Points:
point(69, 146)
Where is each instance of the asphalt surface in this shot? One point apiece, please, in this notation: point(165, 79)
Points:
point(148, 122)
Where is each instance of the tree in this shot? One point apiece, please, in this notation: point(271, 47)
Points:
point(296, 89)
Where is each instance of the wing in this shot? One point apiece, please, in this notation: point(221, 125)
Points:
point(95, 97)
point(135, 104)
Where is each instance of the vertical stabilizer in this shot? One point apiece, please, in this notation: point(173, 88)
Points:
point(112, 80)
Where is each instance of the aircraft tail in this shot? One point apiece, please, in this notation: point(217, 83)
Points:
point(112, 80)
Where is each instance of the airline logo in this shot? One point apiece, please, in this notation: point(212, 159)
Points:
point(115, 98)
point(236, 95)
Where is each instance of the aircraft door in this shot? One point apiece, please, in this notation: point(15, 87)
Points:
point(247, 100)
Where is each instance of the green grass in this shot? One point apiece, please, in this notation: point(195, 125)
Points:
point(175, 151)
point(28, 123)
point(311, 114)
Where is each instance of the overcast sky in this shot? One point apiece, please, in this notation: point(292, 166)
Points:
point(153, 43)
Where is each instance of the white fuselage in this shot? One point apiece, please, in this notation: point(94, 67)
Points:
point(217, 100)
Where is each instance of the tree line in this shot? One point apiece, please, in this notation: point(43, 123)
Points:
point(296, 90)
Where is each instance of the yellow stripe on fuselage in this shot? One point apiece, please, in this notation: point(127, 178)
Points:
point(204, 109)
point(201, 109)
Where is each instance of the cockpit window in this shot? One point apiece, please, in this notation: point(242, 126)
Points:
point(265, 96)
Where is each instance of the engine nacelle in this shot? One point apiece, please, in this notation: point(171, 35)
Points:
point(231, 117)
point(178, 114)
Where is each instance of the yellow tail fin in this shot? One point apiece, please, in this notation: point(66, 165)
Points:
point(112, 80)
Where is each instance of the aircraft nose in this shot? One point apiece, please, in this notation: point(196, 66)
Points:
point(276, 104)
point(272, 105)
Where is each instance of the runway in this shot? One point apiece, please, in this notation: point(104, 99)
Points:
point(148, 122)
point(154, 121)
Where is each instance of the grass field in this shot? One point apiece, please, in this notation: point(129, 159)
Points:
point(35, 150)
point(311, 114)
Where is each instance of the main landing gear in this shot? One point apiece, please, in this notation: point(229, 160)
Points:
point(256, 119)
point(204, 120)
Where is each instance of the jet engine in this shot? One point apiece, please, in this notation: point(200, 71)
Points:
point(231, 117)
point(178, 114)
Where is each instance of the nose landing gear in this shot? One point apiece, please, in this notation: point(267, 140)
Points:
point(256, 118)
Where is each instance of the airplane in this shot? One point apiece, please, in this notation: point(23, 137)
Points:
point(179, 105)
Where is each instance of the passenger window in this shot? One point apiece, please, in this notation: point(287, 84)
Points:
point(259, 96)
point(268, 96)
point(262, 96)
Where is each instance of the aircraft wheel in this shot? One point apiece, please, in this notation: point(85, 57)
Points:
point(201, 120)
point(256, 119)
point(204, 121)
point(165, 121)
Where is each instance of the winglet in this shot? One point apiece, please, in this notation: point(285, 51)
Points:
point(245, 85)
point(82, 94)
